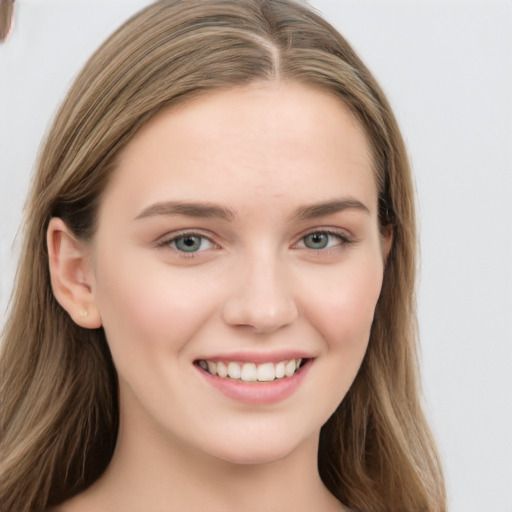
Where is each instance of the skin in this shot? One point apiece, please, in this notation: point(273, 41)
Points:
point(264, 152)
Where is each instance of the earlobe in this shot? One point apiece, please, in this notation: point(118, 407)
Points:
point(71, 276)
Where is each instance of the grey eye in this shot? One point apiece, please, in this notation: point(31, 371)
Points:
point(317, 240)
point(188, 243)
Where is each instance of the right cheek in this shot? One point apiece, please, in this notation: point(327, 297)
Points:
point(143, 298)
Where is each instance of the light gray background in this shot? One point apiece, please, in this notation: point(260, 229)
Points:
point(446, 67)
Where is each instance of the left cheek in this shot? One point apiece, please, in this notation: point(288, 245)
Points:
point(343, 313)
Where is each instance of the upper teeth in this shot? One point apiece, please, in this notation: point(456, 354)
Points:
point(250, 372)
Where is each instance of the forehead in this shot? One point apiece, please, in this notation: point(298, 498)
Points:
point(284, 140)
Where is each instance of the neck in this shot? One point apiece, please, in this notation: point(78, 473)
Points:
point(151, 471)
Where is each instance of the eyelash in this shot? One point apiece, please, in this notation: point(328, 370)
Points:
point(343, 239)
point(166, 242)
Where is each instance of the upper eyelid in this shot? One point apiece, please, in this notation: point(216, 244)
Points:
point(342, 233)
point(169, 237)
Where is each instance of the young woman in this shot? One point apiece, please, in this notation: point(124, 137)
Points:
point(214, 309)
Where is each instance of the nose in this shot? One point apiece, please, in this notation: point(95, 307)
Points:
point(261, 299)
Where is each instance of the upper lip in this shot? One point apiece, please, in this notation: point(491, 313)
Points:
point(257, 357)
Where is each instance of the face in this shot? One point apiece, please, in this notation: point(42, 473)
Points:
point(239, 235)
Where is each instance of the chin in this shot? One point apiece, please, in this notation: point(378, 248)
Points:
point(264, 449)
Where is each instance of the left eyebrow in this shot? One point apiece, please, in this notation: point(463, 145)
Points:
point(314, 211)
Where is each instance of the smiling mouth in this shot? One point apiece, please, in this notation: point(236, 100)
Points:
point(252, 372)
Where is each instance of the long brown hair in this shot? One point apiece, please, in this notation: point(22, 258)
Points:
point(59, 389)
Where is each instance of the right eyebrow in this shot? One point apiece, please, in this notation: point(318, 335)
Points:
point(189, 209)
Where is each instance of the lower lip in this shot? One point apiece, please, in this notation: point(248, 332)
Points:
point(258, 393)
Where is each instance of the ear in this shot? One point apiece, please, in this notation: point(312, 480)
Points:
point(71, 275)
